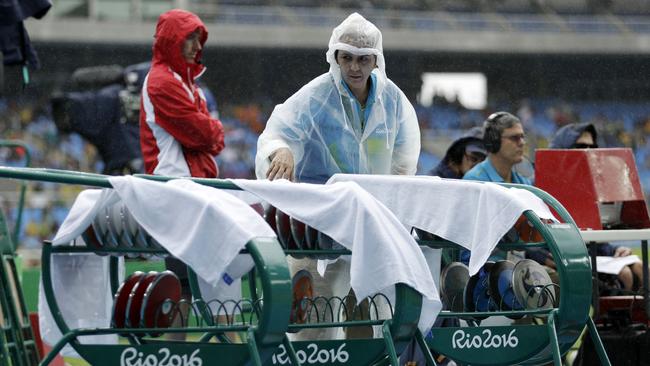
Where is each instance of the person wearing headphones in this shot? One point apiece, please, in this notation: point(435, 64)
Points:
point(504, 141)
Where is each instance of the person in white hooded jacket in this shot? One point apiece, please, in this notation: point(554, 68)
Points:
point(352, 119)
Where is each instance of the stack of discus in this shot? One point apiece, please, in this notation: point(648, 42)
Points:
point(295, 235)
point(147, 300)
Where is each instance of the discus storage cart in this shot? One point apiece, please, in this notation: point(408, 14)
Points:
point(264, 318)
point(539, 334)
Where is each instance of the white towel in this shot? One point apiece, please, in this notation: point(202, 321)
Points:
point(383, 252)
point(203, 226)
point(472, 214)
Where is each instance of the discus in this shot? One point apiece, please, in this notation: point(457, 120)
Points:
point(159, 300)
point(122, 297)
point(532, 285)
point(311, 237)
point(134, 230)
point(500, 280)
point(116, 227)
point(92, 241)
point(108, 240)
point(297, 232)
point(476, 295)
point(303, 291)
point(327, 243)
point(134, 303)
point(269, 216)
point(453, 280)
point(283, 229)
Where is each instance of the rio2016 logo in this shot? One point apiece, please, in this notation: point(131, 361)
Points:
point(131, 357)
point(313, 355)
point(461, 340)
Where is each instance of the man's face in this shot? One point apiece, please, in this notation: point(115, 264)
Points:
point(356, 70)
point(585, 141)
point(191, 46)
point(513, 141)
point(470, 159)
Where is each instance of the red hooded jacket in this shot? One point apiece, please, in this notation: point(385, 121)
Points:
point(178, 137)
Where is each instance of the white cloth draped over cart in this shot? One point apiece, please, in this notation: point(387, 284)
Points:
point(383, 252)
point(475, 215)
point(186, 217)
point(204, 227)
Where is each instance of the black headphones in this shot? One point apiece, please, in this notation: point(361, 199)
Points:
point(491, 134)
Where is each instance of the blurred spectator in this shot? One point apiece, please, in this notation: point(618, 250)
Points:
point(462, 155)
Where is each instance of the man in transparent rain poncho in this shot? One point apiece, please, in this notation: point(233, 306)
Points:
point(352, 119)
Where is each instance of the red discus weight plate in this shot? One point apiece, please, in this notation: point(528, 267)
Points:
point(283, 229)
point(269, 216)
point(122, 298)
point(297, 232)
point(92, 241)
point(136, 296)
point(302, 285)
point(159, 300)
point(311, 237)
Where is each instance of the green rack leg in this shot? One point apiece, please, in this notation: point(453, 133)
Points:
point(552, 339)
point(600, 349)
point(388, 339)
point(290, 351)
point(422, 343)
point(252, 348)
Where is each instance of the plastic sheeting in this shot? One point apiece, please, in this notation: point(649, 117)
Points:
point(320, 123)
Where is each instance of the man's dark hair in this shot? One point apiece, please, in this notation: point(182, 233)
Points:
point(457, 150)
point(493, 128)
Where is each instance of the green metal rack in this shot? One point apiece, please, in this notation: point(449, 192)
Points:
point(265, 340)
point(551, 331)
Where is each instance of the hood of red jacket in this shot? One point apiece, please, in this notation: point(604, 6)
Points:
point(171, 31)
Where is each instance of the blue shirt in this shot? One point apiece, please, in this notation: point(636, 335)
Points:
point(485, 171)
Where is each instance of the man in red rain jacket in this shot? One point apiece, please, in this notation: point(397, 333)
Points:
point(177, 135)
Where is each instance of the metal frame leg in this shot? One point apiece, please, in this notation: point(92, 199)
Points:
point(600, 349)
point(252, 348)
point(388, 340)
point(425, 348)
point(290, 351)
point(552, 340)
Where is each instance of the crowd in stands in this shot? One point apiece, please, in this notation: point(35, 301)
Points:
point(620, 124)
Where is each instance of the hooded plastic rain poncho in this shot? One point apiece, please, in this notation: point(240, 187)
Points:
point(321, 123)
point(567, 136)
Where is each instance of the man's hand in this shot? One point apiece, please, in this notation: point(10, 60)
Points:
point(622, 252)
point(281, 165)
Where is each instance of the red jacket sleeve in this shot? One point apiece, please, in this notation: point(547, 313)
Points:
point(184, 119)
